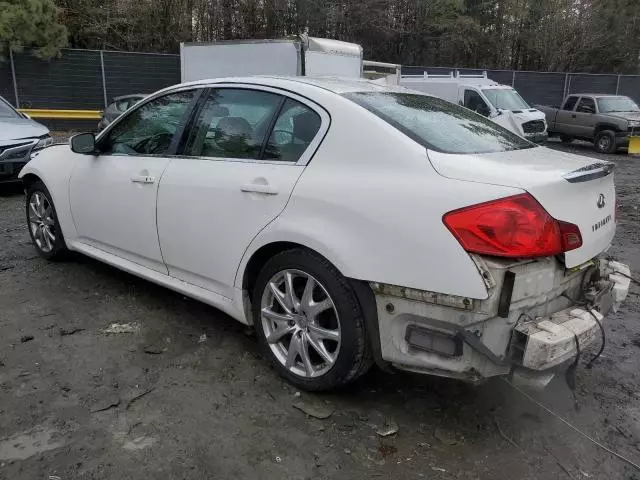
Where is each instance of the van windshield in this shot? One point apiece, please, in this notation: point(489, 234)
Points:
point(505, 98)
point(439, 125)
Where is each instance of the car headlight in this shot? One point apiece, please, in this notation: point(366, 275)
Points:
point(43, 142)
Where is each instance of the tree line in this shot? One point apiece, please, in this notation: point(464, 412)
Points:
point(549, 35)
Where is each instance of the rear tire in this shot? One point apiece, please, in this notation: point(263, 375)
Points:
point(42, 221)
point(309, 322)
point(605, 142)
point(566, 139)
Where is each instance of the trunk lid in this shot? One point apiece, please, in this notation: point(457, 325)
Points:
point(572, 188)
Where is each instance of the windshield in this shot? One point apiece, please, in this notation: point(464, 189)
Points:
point(6, 111)
point(505, 99)
point(616, 104)
point(438, 124)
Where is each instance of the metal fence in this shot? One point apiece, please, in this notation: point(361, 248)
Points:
point(83, 80)
point(89, 79)
point(550, 88)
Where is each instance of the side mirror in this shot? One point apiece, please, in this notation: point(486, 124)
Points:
point(84, 143)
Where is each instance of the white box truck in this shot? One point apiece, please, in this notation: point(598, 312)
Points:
point(301, 55)
point(501, 103)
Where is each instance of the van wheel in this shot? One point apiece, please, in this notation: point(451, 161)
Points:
point(309, 322)
point(605, 142)
point(566, 139)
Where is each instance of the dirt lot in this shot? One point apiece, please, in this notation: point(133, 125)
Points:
point(187, 396)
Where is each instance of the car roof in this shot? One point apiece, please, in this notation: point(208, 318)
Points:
point(337, 85)
point(597, 95)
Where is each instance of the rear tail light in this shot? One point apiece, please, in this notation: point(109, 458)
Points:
point(515, 226)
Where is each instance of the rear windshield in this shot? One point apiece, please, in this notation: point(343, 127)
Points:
point(439, 125)
point(6, 111)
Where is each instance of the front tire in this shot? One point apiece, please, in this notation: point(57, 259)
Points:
point(605, 142)
point(309, 322)
point(42, 221)
point(566, 139)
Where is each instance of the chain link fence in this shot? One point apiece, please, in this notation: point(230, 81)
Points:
point(550, 88)
point(90, 79)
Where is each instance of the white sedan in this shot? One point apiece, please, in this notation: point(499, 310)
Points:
point(349, 222)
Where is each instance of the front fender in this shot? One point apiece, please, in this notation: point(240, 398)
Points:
point(53, 166)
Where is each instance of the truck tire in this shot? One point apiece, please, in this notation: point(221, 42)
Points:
point(566, 139)
point(605, 141)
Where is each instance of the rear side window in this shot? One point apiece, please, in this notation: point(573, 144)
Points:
point(586, 105)
point(570, 103)
point(295, 128)
point(439, 125)
point(233, 124)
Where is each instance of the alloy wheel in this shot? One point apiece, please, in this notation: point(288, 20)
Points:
point(301, 323)
point(41, 222)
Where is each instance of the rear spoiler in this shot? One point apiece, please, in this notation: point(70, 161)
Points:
point(589, 172)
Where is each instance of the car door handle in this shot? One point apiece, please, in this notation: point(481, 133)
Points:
point(143, 179)
point(259, 188)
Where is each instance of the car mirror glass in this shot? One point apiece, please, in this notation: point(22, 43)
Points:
point(84, 143)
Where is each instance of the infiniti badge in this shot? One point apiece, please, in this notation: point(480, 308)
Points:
point(601, 203)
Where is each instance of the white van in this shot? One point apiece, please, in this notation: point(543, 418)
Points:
point(500, 103)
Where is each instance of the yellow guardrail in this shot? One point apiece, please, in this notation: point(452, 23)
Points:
point(64, 114)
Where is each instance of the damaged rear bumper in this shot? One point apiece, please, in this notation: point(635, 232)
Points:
point(529, 324)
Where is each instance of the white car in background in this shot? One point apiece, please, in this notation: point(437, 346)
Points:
point(348, 222)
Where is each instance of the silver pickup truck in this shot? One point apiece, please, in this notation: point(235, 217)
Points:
point(605, 120)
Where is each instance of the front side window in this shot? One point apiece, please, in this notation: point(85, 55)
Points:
point(570, 103)
point(473, 101)
point(295, 128)
point(617, 104)
point(6, 110)
point(439, 125)
point(233, 123)
point(149, 130)
point(505, 98)
point(586, 105)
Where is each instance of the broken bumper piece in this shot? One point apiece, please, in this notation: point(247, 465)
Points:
point(536, 336)
point(545, 343)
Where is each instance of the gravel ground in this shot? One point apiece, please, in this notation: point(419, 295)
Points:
point(187, 395)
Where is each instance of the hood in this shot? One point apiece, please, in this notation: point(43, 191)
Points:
point(19, 128)
point(625, 115)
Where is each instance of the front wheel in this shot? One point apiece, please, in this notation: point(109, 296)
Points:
point(43, 224)
point(605, 142)
point(309, 321)
point(566, 139)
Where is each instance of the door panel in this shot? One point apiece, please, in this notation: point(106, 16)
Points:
point(113, 202)
point(566, 115)
point(217, 197)
point(113, 193)
point(585, 121)
point(210, 210)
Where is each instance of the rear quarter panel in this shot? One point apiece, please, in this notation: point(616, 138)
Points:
point(371, 203)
